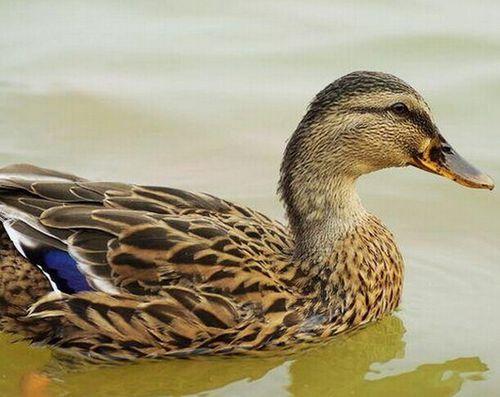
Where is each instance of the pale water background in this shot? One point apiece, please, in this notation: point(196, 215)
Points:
point(202, 95)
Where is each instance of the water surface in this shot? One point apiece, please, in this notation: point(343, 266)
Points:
point(202, 96)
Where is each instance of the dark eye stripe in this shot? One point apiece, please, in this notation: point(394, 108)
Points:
point(421, 120)
point(424, 122)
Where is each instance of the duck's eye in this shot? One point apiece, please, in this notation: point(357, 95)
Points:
point(399, 108)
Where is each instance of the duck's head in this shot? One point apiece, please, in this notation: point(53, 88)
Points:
point(363, 122)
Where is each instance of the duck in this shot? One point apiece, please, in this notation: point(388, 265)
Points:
point(110, 271)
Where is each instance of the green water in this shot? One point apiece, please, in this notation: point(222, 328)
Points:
point(202, 95)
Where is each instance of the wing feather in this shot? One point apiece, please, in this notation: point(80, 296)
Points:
point(101, 326)
point(143, 240)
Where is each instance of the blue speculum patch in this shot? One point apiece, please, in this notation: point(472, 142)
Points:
point(64, 272)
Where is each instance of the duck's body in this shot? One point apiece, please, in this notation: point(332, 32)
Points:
point(149, 272)
point(167, 272)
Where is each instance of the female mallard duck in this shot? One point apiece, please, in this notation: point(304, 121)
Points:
point(116, 271)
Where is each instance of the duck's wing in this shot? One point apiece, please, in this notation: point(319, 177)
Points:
point(119, 238)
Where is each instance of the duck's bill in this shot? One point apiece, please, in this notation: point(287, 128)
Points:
point(440, 158)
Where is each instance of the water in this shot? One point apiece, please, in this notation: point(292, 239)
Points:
point(202, 96)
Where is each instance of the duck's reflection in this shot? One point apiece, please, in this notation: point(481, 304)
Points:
point(344, 367)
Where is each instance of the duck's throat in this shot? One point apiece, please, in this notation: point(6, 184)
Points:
point(331, 215)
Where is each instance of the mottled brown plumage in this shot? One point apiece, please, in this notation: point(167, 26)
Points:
point(172, 273)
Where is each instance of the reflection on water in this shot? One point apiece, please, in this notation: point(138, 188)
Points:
point(342, 367)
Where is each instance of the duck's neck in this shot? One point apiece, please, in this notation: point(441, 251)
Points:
point(331, 215)
point(347, 262)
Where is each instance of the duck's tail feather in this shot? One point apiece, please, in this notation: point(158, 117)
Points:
point(21, 285)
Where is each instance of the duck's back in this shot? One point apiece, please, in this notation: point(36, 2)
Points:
point(111, 247)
